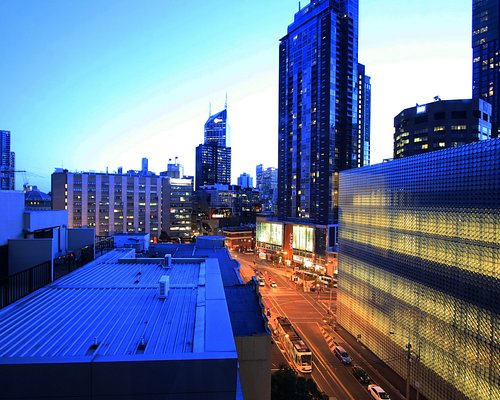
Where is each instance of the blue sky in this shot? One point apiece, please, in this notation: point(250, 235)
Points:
point(91, 84)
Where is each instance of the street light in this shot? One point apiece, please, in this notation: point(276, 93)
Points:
point(408, 368)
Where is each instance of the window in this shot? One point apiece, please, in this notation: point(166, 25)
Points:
point(421, 119)
point(459, 114)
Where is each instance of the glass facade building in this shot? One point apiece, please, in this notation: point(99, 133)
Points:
point(486, 56)
point(216, 129)
point(419, 264)
point(318, 110)
point(7, 162)
point(267, 185)
point(364, 111)
point(441, 124)
point(213, 157)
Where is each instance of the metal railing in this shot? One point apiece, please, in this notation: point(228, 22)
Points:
point(14, 287)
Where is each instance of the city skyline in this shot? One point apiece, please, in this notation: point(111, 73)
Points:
point(90, 86)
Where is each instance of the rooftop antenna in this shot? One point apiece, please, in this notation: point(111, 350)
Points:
point(299, 5)
point(209, 108)
point(225, 103)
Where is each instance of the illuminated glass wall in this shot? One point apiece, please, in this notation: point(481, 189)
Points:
point(269, 232)
point(419, 263)
point(303, 238)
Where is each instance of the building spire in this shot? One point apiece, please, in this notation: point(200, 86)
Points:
point(225, 103)
point(209, 109)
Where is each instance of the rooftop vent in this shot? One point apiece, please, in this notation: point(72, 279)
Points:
point(164, 286)
point(167, 261)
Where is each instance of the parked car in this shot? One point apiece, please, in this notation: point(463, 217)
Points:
point(273, 284)
point(360, 374)
point(378, 393)
point(342, 355)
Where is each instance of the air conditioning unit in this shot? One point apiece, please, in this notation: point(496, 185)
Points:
point(164, 286)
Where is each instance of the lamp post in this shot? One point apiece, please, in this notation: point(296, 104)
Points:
point(408, 365)
point(330, 302)
point(408, 357)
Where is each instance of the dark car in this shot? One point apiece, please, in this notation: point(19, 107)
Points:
point(360, 374)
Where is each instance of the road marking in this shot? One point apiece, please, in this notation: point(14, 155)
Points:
point(318, 356)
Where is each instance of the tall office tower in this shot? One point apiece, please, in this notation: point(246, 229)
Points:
point(245, 180)
point(144, 166)
point(486, 56)
point(419, 266)
point(318, 109)
point(364, 111)
point(441, 124)
point(7, 162)
point(213, 157)
point(216, 129)
point(267, 185)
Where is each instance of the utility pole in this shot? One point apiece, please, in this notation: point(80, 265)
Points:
point(408, 367)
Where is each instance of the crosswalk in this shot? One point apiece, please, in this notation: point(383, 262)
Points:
point(330, 341)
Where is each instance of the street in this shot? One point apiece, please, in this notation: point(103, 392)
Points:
point(309, 313)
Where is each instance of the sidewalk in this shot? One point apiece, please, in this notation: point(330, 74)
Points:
point(375, 367)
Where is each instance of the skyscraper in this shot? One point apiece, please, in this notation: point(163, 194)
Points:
point(318, 110)
point(364, 110)
point(486, 58)
point(245, 180)
point(267, 185)
point(216, 129)
point(213, 157)
point(7, 166)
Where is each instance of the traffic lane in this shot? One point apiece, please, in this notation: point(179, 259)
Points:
point(281, 281)
point(299, 308)
point(332, 368)
point(291, 304)
point(322, 372)
point(277, 358)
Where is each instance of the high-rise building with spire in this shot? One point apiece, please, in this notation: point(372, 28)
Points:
point(213, 157)
point(486, 56)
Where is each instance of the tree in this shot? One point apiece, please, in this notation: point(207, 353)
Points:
point(287, 385)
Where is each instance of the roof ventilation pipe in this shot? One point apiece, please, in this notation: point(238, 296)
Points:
point(164, 286)
point(167, 261)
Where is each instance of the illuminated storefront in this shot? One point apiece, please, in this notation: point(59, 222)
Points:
point(299, 245)
point(269, 237)
point(419, 263)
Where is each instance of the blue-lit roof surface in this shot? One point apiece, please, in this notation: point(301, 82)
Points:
point(245, 310)
point(229, 267)
point(111, 308)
